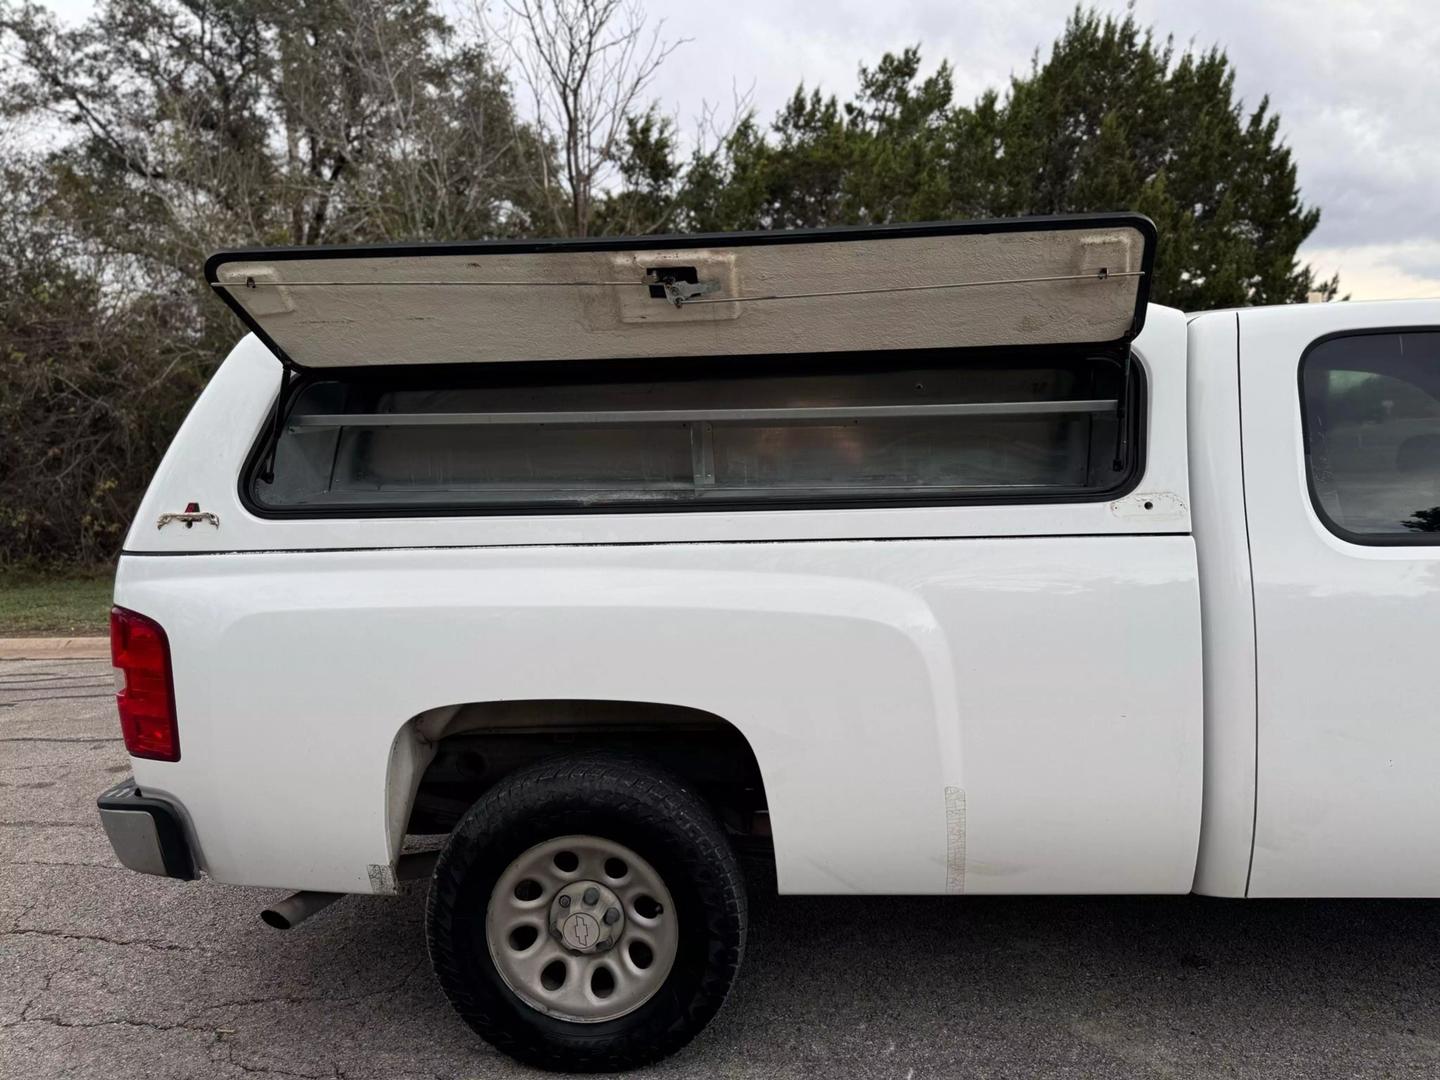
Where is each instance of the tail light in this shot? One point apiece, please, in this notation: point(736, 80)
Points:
point(145, 692)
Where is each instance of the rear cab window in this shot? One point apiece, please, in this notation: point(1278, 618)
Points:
point(1371, 416)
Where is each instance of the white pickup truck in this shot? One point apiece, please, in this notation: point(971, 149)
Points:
point(927, 559)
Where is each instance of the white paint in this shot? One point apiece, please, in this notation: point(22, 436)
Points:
point(1217, 493)
point(1348, 803)
point(867, 677)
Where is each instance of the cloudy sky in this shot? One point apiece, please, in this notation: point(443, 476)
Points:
point(1356, 84)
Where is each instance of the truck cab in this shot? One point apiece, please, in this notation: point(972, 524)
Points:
point(922, 559)
point(1315, 454)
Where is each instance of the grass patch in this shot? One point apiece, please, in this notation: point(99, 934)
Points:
point(55, 605)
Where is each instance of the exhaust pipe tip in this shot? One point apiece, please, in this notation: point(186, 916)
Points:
point(293, 910)
point(296, 908)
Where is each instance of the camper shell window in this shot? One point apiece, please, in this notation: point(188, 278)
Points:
point(919, 427)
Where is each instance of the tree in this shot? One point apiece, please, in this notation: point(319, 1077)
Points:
point(95, 373)
point(649, 177)
point(586, 65)
point(187, 126)
point(1113, 120)
point(208, 122)
point(1116, 119)
point(876, 159)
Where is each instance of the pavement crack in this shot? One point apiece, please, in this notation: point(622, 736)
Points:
point(59, 697)
point(15, 925)
point(275, 1070)
point(301, 999)
point(50, 768)
point(68, 739)
point(32, 823)
point(114, 1021)
point(56, 683)
point(156, 944)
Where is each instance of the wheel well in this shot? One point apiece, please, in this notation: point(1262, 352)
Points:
point(478, 743)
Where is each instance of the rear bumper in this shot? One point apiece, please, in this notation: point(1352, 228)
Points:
point(145, 832)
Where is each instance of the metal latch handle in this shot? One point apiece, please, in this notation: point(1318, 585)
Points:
point(190, 518)
point(678, 292)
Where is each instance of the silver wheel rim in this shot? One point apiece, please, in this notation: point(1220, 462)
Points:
point(577, 939)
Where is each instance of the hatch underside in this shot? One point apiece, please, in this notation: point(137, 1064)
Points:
point(1027, 282)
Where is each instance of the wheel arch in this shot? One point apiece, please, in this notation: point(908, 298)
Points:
point(444, 758)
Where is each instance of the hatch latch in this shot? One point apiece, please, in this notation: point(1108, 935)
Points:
point(678, 284)
point(191, 515)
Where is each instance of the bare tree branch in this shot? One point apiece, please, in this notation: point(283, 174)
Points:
point(587, 65)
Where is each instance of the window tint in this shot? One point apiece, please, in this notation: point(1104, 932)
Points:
point(1372, 426)
point(736, 432)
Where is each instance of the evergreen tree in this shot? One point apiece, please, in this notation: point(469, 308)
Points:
point(1113, 119)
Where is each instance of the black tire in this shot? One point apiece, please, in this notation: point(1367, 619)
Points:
point(626, 801)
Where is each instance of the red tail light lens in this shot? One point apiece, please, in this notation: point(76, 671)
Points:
point(146, 693)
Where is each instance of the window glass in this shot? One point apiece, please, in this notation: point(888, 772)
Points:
point(1372, 425)
point(734, 432)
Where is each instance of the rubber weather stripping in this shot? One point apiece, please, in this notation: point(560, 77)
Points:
point(681, 300)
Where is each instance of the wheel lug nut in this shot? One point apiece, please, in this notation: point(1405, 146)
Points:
point(591, 897)
point(564, 901)
point(612, 916)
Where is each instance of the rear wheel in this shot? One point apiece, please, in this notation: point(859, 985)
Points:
point(587, 914)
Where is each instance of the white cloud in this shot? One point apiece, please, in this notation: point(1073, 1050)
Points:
point(1382, 271)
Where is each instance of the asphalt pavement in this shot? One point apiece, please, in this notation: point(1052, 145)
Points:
point(105, 973)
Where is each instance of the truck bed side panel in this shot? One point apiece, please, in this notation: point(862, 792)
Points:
point(986, 716)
